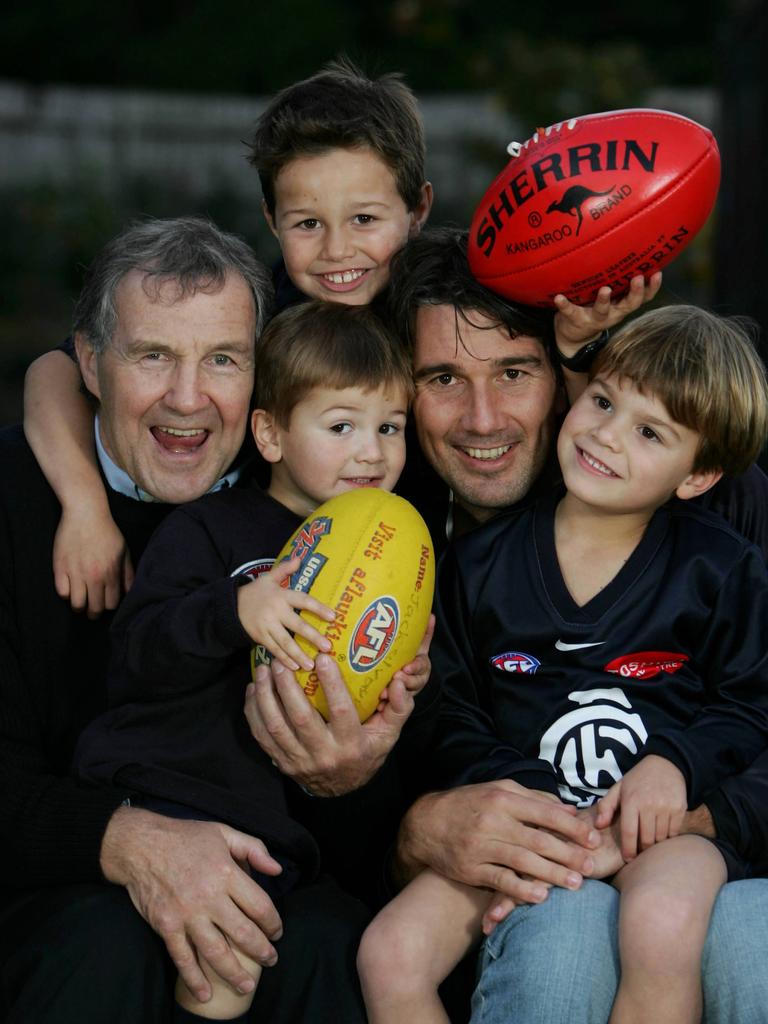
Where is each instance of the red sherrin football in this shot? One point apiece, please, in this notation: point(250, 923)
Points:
point(594, 201)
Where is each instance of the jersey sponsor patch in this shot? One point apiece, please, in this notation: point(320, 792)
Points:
point(254, 568)
point(646, 664)
point(515, 661)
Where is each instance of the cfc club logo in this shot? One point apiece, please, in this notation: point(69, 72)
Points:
point(373, 634)
point(591, 747)
point(515, 661)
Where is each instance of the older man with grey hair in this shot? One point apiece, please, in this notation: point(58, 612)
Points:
point(164, 332)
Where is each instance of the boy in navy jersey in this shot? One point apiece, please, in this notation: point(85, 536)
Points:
point(607, 646)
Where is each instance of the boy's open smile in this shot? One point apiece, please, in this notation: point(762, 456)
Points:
point(595, 464)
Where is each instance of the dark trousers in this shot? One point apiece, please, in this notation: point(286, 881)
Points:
point(82, 955)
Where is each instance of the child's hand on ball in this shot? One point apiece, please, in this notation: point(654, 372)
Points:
point(415, 675)
point(268, 611)
point(575, 325)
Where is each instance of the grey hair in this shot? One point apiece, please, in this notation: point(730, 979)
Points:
point(190, 251)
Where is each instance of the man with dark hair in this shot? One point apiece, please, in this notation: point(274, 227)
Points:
point(487, 394)
point(164, 332)
point(486, 406)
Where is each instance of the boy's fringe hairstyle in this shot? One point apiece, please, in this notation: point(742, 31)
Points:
point(325, 344)
point(341, 107)
point(706, 371)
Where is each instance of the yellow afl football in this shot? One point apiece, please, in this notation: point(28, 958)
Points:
point(368, 555)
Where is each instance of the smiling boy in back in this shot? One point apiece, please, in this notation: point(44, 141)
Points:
point(341, 162)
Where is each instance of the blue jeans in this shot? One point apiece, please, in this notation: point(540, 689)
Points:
point(558, 962)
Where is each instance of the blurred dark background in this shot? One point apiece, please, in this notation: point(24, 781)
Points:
point(109, 112)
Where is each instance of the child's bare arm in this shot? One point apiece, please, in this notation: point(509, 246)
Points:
point(269, 613)
point(91, 563)
point(653, 799)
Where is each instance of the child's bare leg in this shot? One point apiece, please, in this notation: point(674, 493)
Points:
point(413, 944)
point(226, 1003)
point(667, 895)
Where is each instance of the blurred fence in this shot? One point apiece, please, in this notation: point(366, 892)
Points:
point(197, 142)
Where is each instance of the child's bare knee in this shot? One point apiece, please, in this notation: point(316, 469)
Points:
point(389, 951)
point(662, 936)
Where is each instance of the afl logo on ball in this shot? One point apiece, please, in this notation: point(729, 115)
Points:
point(516, 661)
point(373, 634)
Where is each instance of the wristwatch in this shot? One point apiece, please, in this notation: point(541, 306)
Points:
point(583, 359)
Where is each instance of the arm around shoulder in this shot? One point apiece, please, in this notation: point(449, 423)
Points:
point(90, 559)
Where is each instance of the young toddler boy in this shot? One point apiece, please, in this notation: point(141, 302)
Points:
point(331, 398)
point(607, 644)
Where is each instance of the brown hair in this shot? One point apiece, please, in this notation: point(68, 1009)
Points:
point(325, 344)
point(340, 108)
point(706, 371)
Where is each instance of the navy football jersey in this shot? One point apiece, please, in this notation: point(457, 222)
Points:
point(669, 658)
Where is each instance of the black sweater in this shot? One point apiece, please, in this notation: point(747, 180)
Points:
point(669, 658)
point(176, 729)
point(52, 664)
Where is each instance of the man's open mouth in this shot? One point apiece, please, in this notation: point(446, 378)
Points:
point(179, 439)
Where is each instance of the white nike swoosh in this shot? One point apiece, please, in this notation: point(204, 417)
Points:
point(576, 647)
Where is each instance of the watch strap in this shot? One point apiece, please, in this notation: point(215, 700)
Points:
point(583, 359)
